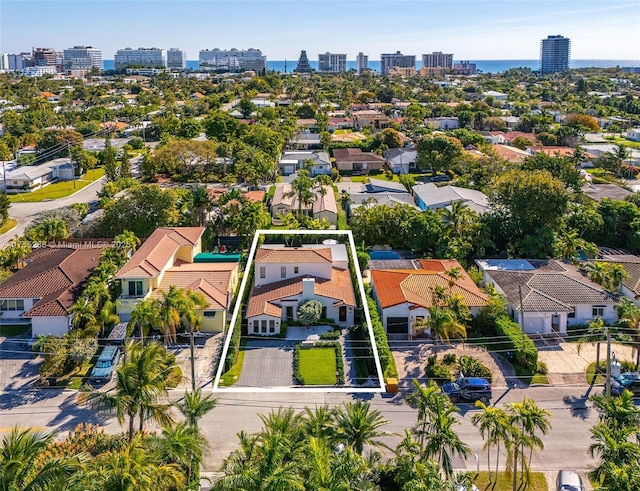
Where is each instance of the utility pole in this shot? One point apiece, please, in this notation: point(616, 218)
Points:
point(607, 382)
point(193, 362)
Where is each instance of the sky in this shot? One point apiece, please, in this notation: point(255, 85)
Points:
point(471, 29)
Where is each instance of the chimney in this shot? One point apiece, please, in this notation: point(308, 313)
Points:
point(308, 288)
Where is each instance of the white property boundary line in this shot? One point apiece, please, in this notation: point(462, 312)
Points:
point(237, 311)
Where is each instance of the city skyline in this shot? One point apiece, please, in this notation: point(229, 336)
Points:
point(488, 30)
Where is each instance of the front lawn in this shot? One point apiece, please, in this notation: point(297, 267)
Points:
point(316, 366)
point(58, 189)
point(8, 224)
point(505, 481)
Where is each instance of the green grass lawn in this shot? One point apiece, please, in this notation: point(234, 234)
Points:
point(8, 330)
point(591, 376)
point(58, 189)
point(505, 481)
point(8, 224)
point(624, 142)
point(317, 366)
point(232, 375)
point(77, 378)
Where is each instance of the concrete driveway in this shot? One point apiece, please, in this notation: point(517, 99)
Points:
point(18, 364)
point(267, 363)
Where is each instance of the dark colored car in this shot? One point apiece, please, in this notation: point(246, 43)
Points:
point(103, 369)
point(468, 389)
point(626, 381)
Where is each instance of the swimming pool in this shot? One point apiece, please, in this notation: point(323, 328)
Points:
point(381, 255)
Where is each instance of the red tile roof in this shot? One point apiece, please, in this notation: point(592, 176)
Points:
point(263, 299)
point(416, 286)
point(293, 255)
point(156, 251)
point(55, 275)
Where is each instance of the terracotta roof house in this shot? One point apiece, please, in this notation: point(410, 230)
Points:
point(285, 277)
point(510, 154)
point(404, 290)
point(323, 206)
point(47, 287)
point(172, 256)
point(355, 160)
point(372, 119)
point(554, 293)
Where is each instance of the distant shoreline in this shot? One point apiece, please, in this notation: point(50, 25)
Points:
point(483, 66)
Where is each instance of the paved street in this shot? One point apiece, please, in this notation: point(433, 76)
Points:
point(24, 213)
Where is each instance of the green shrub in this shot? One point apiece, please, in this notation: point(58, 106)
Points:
point(330, 335)
point(234, 346)
point(525, 351)
point(363, 260)
point(449, 359)
point(472, 367)
point(542, 368)
point(440, 374)
point(387, 362)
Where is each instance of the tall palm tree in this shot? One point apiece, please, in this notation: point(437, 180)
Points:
point(629, 317)
point(358, 425)
point(617, 412)
point(493, 425)
point(107, 316)
point(185, 446)
point(423, 399)
point(83, 314)
point(193, 407)
point(301, 190)
point(200, 205)
point(441, 441)
point(22, 450)
point(617, 275)
point(319, 422)
point(143, 378)
point(444, 325)
point(617, 158)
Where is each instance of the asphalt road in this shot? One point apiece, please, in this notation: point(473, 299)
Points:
point(565, 445)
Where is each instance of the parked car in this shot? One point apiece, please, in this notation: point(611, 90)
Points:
point(103, 369)
point(626, 381)
point(468, 389)
point(569, 481)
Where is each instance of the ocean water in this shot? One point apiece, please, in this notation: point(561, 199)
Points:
point(484, 66)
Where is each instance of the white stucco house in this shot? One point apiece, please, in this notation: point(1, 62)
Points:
point(633, 134)
point(555, 294)
point(286, 277)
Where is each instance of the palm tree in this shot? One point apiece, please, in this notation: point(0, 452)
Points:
point(617, 158)
point(146, 315)
point(598, 272)
point(617, 412)
point(193, 407)
point(319, 422)
point(143, 378)
point(423, 398)
point(170, 308)
point(358, 425)
point(301, 189)
point(83, 314)
point(444, 325)
point(493, 425)
point(183, 445)
point(132, 467)
point(629, 317)
point(107, 316)
point(526, 420)
point(617, 275)
point(22, 467)
point(615, 450)
point(200, 205)
point(127, 241)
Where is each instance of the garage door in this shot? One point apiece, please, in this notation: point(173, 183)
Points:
point(534, 325)
point(289, 169)
point(397, 325)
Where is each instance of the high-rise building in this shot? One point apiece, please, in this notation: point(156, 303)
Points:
point(4, 61)
point(47, 57)
point(554, 54)
point(332, 62)
point(303, 65)
point(20, 61)
point(82, 58)
point(362, 63)
point(396, 59)
point(233, 60)
point(176, 59)
point(437, 59)
point(141, 57)
point(465, 68)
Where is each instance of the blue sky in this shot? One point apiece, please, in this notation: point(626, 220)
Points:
point(474, 30)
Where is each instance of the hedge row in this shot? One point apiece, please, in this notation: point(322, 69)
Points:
point(526, 353)
point(234, 345)
point(387, 362)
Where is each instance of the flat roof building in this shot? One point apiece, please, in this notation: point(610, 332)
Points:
point(332, 62)
point(362, 63)
point(233, 60)
point(554, 54)
point(141, 57)
point(176, 59)
point(396, 59)
point(82, 58)
point(437, 59)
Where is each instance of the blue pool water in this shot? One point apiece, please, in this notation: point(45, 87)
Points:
point(381, 255)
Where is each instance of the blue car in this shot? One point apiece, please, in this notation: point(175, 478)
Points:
point(103, 369)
